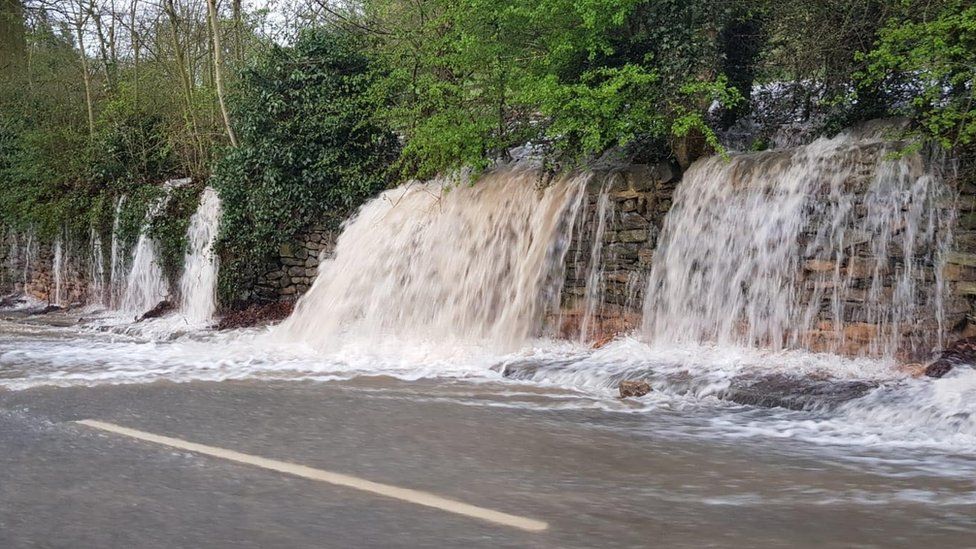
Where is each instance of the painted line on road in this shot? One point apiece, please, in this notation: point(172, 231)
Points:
point(403, 494)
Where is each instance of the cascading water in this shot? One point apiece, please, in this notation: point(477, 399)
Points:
point(199, 281)
point(595, 287)
point(476, 263)
point(834, 246)
point(30, 258)
point(96, 269)
point(146, 285)
point(117, 260)
point(57, 269)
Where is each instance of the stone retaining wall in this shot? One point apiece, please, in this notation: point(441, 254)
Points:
point(635, 200)
point(291, 275)
point(608, 300)
point(40, 281)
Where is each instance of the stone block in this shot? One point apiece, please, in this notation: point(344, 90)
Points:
point(632, 220)
point(861, 332)
point(863, 267)
point(967, 289)
point(819, 266)
point(959, 258)
point(645, 256)
point(635, 235)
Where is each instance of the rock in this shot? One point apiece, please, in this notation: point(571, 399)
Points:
point(795, 393)
point(45, 310)
point(603, 341)
point(630, 389)
point(632, 221)
point(635, 235)
point(10, 301)
point(159, 310)
point(938, 369)
point(818, 265)
point(962, 352)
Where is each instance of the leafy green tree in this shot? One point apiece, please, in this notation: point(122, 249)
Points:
point(469, 79)
point(309, 148)
point(932, 52)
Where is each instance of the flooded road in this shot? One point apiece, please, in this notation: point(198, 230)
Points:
point(678, 468)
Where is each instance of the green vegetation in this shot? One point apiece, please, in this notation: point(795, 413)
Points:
point(310, 150)
point(327, 103)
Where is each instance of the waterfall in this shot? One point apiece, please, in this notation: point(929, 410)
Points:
point(146, 285)
point(595, 287)
point(96, 269)
point(57, 269)
point(199, 281)
point(430, 262)
point(835, 246)
point(30, 258)
point(117, 259)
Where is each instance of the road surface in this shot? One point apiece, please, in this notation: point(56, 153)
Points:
point(595, 479)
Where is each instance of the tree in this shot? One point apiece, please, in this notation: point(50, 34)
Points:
point(309, 148)
point(931, 55)
point(13, 46)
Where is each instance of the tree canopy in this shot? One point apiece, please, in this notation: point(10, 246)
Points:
point(303, 111)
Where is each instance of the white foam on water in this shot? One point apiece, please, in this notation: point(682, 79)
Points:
point(117, 259)
point(755, 246)
point(436, 261)
point(198, 284)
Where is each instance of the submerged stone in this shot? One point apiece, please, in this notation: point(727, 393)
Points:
point(159, 310)
point(795, 393)
point(634, 388)
point(962, 352)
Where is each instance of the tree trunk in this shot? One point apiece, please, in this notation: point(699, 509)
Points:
point(218, 79)
point(180, 56)
point(86, 75)
point(13, 46)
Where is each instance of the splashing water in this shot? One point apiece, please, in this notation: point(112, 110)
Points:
point(595, 287)
point(96, 269)
point(431, 280)
point(117, 259)
point(754, 247)
point(198, 284)
point(57, 269)
point(30, 258)
point(146, 285)
point(427, 262)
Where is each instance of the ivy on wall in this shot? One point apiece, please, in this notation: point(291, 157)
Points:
point(310, 150)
